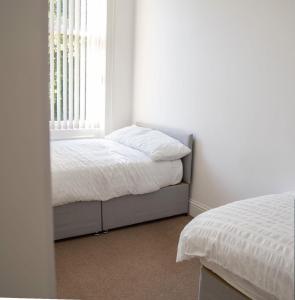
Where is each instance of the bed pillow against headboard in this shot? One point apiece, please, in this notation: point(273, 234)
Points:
point(155, 144)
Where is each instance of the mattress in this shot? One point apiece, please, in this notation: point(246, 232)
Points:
point(100, 169)
point(249, 243)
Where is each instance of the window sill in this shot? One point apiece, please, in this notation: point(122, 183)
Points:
point(65, 134)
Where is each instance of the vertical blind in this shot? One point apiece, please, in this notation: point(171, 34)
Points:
point(77, 58)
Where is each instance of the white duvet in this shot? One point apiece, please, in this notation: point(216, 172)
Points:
point(99, 169)
point(250, 243)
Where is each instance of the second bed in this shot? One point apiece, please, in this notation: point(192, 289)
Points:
point(246, 249)
point(99, 184)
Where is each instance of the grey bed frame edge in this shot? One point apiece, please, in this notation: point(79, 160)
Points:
point(213, 287)
point(87, 217)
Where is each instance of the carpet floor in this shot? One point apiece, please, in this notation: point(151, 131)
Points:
point(134, 263)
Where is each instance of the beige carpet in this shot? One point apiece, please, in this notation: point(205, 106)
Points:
point(134, 263)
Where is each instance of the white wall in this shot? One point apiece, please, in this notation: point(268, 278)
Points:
point(26, 247)
point(119, 64)
point(224, 69)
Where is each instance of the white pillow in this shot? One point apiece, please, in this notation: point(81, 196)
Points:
point(155, 144)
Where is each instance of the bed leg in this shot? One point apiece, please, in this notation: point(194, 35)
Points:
point(105, 232)
point(96, 233)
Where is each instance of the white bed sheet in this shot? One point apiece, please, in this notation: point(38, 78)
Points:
point(100, 169)
point(249, 243)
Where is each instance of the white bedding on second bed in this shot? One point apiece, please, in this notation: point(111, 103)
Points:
point(249, 243)
point(100, 169)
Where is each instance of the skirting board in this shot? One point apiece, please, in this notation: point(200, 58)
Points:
point(197, 208)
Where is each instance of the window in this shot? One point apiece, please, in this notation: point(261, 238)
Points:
point(77, 55)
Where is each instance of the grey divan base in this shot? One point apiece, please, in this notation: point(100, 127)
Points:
point(87, 217)
point(212, 287)
point(76, 219)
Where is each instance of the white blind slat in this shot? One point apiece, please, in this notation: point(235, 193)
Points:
point(58, 63)
point(65, 64)
point(82, 65)
point(51, 62)
point(102, 16)
point(95, 71)
point(71, 61)
point(77, 64)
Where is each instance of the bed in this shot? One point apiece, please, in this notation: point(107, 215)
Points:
point(246, 249)
point(142, 191)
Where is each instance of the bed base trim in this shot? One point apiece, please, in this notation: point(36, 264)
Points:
point(88, 217)
point(78, 218)
point(212, 287)
point(129, 210)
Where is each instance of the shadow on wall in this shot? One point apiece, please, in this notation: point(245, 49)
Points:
point(204, 179)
